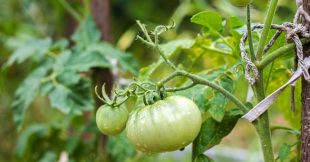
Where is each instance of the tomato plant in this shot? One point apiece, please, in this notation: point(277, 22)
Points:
point(178, 86)
point(111, 120)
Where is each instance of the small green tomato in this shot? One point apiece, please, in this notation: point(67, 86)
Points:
point(111, 120)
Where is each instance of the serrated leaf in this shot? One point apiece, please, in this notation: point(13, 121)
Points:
point(124, 59)
point(26, 93)
point(30, 48)
point(84, 61)
point(61, 44)
point(209, 19)
point(212, 132)
point(284, 151)
point(71, 93)
point(80, 61)
point(87, 33)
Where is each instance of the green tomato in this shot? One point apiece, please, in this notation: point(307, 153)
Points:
point(111, 120)
point(240, 3)
point(166, 125)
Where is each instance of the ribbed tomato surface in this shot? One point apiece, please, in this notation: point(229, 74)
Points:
point(166, 125)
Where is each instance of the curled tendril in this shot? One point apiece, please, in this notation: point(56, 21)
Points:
point(163, 28)
point(157, 31)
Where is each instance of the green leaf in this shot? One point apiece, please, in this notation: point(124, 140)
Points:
point(30, 48)
point(24, 141)
point(71, 93)
point(218, 103)
point(120, 149)
point(26, 93)
point(234, 22)
point(49, 156)
point(125, 60)
point(176, 46)
point(198, 94)
point(209, 19)
point(84, 61)
point(87, 33)
point(284, 151)
point(208, 99)
point(212, 132)
point(80, 61)
point(217, 106)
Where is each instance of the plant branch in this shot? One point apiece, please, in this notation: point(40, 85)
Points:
point(267, 24)
point(181, 88)
point(262, 123)
point(200, 80)
point(164, 57)
point(212, 49)
point(249, 28)
point(145, 32)
point(71, 10)
point(277, 53)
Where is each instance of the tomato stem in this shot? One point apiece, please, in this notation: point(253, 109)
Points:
point(196, 79)
point(277, 53)
point(249, 28)
point(267, 24)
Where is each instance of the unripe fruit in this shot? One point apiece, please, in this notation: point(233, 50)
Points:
point(166, 125)
point(111, 120)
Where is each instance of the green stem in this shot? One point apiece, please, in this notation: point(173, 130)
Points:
point(180, 88)
point(277, 127)
point(71, 10)
point(268, 76)
point(224, 40)
point(145, 32)
point(267, 24)
point(216, 50)
point(277, 53)
point(200, 80)
point(250, 33)
point(262, 123)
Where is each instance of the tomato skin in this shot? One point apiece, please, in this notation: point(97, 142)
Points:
point(111, 120)
point(167, 125)
point(240, 3)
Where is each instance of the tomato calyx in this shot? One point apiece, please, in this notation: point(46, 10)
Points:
point(114, 103)
point(151, 97)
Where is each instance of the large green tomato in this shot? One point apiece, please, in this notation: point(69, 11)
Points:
point(111, 120)
point(166, 125)
point(240, 3)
